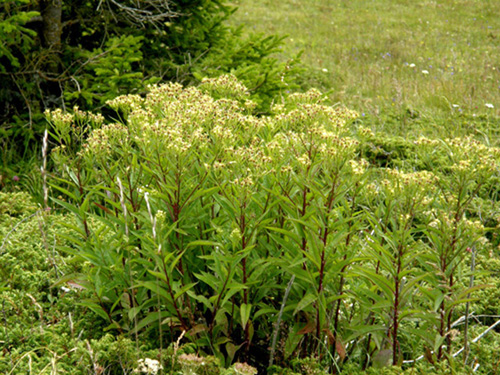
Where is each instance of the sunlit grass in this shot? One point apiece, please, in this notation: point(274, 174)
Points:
point(400, 63)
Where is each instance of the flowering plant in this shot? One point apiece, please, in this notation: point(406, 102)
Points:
point(198, 216)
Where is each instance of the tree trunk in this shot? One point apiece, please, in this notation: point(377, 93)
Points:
point(50, 35)
point(51, 12)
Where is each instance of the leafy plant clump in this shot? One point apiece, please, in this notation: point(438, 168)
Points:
point(262, 239)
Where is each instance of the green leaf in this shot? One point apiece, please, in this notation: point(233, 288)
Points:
point(96, 308)
point(152, 317)
point(264, 311)
point(304, 302)
point(245, 311)
point(154, 287)
point(65, 191)
point(71, 208)
point(201, 299)
point(203, 243)
point(286, 233)
point(176, 260)
point(133, 311)
point(184, 289)
point(380, 281)
point(158, 275)
point(363, 330)
point(231, 291)
point(208, 279)
point(231, 350)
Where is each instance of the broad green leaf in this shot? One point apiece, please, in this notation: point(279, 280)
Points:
point(245, 311)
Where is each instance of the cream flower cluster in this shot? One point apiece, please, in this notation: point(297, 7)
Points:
point(57, 116)
point(418, 184)
point(102, 141)
point(148, 366)
point(95, 120)
point(472, 156)
point(125, 103)
point(244, 369)
point(313, 96)
point(225, 85)
point(172, 121)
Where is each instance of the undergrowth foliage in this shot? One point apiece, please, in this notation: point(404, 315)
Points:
point(197, 219)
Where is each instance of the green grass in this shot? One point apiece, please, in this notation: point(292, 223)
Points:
point(363, 52)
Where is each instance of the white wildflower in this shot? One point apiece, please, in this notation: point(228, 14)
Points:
point(148, 366)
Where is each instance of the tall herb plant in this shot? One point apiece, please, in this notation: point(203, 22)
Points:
point(198, 219)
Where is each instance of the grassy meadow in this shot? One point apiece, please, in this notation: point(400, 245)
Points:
point(429, 67)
